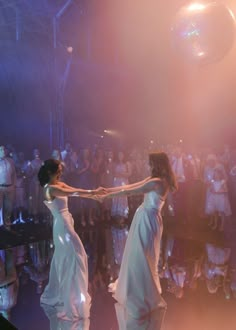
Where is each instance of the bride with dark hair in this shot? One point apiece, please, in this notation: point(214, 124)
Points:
point(138, 287)
point(67, 289)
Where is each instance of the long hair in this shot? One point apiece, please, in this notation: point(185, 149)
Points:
point(162, 168)
point(50, 166)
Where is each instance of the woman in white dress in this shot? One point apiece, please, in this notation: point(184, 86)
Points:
point(68, 279)
point(138, 288)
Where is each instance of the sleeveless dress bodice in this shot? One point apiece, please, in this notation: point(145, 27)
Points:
point(58, 205)
point(153, 200)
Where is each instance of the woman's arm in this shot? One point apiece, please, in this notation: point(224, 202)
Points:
point(97, 191)
point(65, 190)
point(141, 187)
point(129, 186)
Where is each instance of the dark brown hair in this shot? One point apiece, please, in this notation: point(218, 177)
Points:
point(162, 168)
point(50, 166)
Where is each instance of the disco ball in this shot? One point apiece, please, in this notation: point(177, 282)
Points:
point(203, 32)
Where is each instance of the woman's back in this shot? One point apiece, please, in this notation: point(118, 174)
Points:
point(57, 205)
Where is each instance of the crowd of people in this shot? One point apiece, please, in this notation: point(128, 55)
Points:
point(206, 192)
point(206, 182)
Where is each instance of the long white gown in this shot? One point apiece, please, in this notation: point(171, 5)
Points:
point(68, 279)
point(152, 322)
point(138, 287)
point(60, 324)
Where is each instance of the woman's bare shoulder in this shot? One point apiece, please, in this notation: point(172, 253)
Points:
point(161, 184)
point(49, 189)
point(56, 185)
point(151, 183)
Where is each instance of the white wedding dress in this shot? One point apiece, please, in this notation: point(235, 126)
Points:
point(138, 287)
point(68, 279)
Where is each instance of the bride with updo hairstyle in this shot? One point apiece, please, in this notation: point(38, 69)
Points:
point(49, 166)
point(67, 288)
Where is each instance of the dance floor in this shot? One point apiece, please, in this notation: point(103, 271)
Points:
point(195, 311)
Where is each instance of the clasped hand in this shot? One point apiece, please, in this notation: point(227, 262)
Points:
point(100, 194)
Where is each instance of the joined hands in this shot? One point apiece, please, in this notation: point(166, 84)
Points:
point(100, 194)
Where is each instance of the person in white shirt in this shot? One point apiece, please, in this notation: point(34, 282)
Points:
point(7, 187)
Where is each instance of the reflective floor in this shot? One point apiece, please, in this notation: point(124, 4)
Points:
point(197, 310)
point(24, 273)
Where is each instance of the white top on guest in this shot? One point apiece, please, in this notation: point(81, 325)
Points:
point(7, 169)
